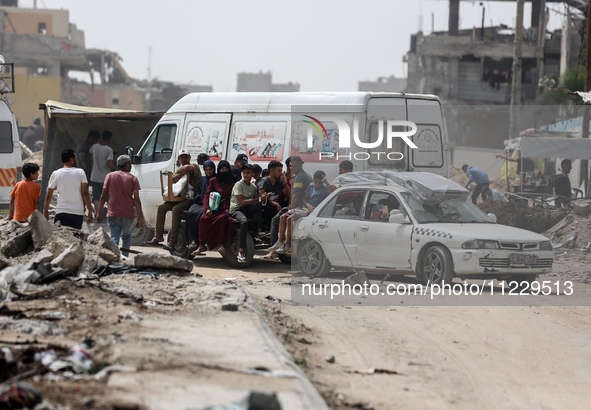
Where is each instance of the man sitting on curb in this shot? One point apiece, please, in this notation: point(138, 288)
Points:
point(194, 175)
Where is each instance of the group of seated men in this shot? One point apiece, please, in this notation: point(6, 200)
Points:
point(274, 198)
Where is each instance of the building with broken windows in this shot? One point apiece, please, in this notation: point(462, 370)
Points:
point(471, 71)
point(51, 62)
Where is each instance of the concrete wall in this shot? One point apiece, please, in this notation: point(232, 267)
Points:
point(482, 158)
point(31, 90)
point(26, 21)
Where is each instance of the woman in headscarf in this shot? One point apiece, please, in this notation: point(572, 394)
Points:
point(196, 210)
point(215, 227)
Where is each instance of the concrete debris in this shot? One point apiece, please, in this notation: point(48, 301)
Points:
point(32, 327)
point(17, 245)
point(358, 278)
point(71, 258)
point(329, 358)
point(40, 229)
point(160, 261)
point(102, 239)
point(43, 256)
point(582, 207)
point(3, 262)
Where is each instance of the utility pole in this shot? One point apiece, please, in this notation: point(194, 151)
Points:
point(584, 173)
point(516, 84)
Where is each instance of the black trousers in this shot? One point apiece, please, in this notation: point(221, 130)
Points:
point(242, 214)
point(72, 220)
point(477, 191)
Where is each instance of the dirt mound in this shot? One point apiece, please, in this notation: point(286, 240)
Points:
point(522, 216)
point(573, 225)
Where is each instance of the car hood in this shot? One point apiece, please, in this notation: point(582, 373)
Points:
point(494, 232)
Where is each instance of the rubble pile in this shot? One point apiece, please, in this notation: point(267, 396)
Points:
point(522, 216)
point(573, 231)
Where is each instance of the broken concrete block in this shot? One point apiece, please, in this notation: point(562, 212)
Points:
point(582, 207)
point(17, 245)
point(71, 258)
point(44, 256)
point(57, 246)
point(3, 262)
point(160, 261)
point(89, 265)
point(358, 278)
point(102, 239)
point(107, 255)
point(40, 229)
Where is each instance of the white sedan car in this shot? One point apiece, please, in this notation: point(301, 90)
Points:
point(415, 223)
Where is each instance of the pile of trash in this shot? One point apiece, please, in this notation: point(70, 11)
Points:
point(520, 215)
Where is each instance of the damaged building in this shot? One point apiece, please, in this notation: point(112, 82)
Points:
point(51, 62)
point(471, 71)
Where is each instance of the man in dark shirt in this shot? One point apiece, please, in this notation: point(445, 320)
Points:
point(562, 186)
point(30, 139)
point(274, 185)
point(83, 152)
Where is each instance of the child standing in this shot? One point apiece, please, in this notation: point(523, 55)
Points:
point(24, 198)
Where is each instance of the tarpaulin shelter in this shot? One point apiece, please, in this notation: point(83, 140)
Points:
point(571, 148)
point(67, 125)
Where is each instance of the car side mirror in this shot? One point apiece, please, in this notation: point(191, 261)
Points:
point(493, 217)
point(397, 217)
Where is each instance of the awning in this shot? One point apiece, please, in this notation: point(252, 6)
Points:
point(57, 109)
point(571, 148)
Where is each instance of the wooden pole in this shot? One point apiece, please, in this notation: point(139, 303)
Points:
point(516, 84)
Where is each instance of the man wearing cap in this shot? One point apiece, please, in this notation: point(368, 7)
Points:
point(123, 189)
point(194, 175)
point(240, 161)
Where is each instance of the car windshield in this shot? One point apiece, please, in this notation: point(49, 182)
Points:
point(447, 212)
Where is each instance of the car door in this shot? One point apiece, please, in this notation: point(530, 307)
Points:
point(335, 227)
point(381, 244)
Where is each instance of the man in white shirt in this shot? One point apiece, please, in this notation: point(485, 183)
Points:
point(69, 181)
point(102, 164)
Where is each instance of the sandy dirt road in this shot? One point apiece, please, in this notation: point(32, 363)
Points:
point(463, 356)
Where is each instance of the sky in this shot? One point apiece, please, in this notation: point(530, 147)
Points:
point(324, 45)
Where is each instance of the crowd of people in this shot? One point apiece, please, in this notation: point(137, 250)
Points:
point(214, 197)
point(273, 197)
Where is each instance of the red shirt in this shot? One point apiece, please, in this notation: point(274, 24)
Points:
point(25, 193)
point(121, 186)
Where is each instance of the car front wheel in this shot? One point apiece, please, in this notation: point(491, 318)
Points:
point(437, 266)
point(311, 259)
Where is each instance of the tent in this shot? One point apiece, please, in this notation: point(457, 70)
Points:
point(67, 125)
point(571, 148)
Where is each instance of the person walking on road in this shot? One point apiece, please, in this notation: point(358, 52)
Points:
point(123, 191)
point(69, 182)
point(479, 176)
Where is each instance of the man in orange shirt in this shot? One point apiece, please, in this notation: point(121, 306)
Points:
point(24, 198)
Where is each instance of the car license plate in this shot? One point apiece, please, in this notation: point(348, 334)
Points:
point(522, 259)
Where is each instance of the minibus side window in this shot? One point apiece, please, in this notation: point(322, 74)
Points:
point(6, 145)
point(162, 139)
